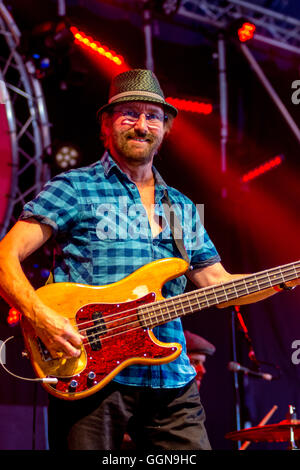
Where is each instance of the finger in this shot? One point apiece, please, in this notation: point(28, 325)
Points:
point(69, 349)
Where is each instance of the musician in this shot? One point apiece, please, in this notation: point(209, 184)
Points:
point(198, 349)
point(88, 213)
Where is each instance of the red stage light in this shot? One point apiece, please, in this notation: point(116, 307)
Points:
point(13, 316)
point(246, 31)
point(262, 168)
point(193, 106)
point(102, 50)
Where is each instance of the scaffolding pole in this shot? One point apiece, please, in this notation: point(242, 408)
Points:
point(274, 96)
point(223, 109)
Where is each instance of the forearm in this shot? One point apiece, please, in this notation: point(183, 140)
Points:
point(56, 331)
point(16, 289)
point(216, 274)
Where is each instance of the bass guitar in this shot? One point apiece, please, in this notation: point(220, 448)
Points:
point(117, 321)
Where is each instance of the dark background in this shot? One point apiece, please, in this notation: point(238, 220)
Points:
point(255, 227)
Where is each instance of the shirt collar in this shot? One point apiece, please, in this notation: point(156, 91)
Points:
point(109, 163)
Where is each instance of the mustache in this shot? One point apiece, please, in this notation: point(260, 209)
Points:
point(132, 134)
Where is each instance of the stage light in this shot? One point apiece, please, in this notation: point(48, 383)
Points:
point(167, 7)
point(13, 316)
point(260, 170)
point(48, 45)
point(67, 156)
point(102, 50)
point(246, 31)
point(192, 106)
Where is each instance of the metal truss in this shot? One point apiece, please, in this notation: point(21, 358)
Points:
point(272, 27)
point(27, 120)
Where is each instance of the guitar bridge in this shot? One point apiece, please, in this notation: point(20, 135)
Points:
point(45, 355)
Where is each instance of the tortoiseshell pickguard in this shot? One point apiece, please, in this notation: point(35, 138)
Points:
point(112, 343)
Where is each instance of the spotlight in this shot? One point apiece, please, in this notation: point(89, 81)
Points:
point(13, 316)
point(246, 31)
point(67, 156)
point(241, 29)
point(167, 7)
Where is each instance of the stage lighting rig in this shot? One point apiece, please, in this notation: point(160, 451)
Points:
point(194, 106)
point(165, 7)
point(263, 168)
point(48, 46)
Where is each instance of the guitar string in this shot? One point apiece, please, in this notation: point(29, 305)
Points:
point(205, 291)
point(160, 317)
point(158, 304)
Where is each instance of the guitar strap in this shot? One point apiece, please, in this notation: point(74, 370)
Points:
point(176, 229)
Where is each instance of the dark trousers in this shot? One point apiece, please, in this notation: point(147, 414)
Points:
point(154, 419)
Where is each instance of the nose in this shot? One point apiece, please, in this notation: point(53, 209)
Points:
point(141, 123)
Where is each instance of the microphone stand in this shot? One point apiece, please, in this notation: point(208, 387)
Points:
point(236, 313)
point(235, 377)
point(251, 353)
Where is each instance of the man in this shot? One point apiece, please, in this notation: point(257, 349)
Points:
point(88, 213)
point(198, 349)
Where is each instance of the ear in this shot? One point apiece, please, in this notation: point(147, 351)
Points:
point(105, 127)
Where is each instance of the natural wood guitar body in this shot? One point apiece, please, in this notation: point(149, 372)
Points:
point(117, 335)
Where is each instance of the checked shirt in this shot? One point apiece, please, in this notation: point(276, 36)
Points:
point(102, 234)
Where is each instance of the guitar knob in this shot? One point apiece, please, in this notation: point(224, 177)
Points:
point(91, 377)
point(73, 385)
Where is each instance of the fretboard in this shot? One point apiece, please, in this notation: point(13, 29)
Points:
point(165, 310)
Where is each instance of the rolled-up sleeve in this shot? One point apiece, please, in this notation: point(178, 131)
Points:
point(56, 205)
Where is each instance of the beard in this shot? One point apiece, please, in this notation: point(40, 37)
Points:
point(134, 146)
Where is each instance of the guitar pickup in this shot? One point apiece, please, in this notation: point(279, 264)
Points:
point(94, 333)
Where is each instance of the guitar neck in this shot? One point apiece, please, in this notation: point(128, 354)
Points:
point(160, 312)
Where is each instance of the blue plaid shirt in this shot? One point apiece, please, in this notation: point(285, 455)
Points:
point(103, 234)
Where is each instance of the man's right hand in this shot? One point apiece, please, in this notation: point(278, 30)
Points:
point(57, 333)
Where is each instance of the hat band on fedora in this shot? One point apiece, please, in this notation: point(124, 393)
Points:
point(148, 94)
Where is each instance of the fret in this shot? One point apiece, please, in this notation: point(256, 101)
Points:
point(197, 299)
point(224, 289)
point(215, 294)
point(269, 280)
point(142, 314)
point(283, 278)
point(163, 311)
point(250, 285)
point(169, 313)
point(231, 291)
point(190, 306)
point(206, 299)
point(297, 274)
point(257, 283)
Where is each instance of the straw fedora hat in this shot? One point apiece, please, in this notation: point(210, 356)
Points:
point(136, 85)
